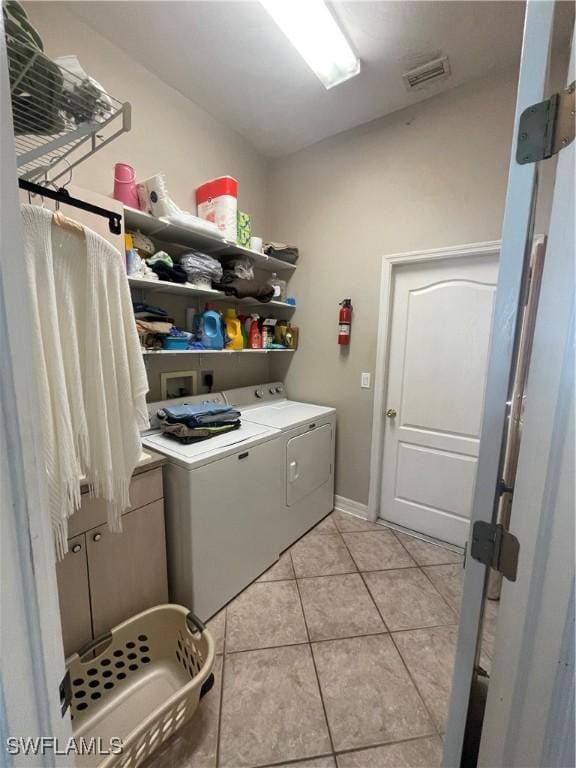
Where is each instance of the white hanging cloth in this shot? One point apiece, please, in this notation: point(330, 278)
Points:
point(92, 381)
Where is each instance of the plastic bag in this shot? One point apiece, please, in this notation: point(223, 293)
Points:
point(200, 267)
point(241, 268)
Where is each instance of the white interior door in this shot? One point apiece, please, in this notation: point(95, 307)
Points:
point(438, 352)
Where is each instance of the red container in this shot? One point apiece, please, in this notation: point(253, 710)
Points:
point(217, 201)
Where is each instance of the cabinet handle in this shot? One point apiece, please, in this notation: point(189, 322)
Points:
point(76, 548)
point(97, 537)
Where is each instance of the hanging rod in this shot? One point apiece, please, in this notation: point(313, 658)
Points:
point(63, 196)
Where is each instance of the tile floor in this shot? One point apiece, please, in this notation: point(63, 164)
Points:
point(339, 656)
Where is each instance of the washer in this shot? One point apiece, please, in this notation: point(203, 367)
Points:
point(308, 438)
point(222, 509)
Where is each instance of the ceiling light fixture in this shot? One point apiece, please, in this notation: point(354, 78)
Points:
point(313, 31)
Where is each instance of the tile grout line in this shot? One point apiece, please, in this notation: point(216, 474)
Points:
point(390, 634)
point(432, 721)
point(421, 568)
point(387, 744)
point(311, 642)
point(221, 702)
point(349, 751)
point(455, 610)
point(428, 712)
point(328, 729)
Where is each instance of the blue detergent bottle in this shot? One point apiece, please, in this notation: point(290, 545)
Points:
point(212, 332)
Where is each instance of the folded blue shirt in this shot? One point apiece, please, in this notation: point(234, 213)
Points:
point(195, 415)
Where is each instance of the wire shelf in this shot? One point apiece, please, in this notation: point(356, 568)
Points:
point(60, 117)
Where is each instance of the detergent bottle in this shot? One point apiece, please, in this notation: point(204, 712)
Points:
point(211, 331)
point(254, 337)
point(233, 330)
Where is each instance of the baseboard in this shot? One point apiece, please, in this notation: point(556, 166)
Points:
point(351, 507)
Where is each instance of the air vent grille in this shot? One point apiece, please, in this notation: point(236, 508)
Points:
point(420, 77)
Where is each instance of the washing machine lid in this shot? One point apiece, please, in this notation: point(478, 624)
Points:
point(285, 414)
point(206, 451)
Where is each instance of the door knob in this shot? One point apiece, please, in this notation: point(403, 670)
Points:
point(391, 413)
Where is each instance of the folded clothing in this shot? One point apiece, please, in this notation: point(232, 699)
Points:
point(154, 319)
point(187, 435)
point(141, 309)
point(173, 274)
point(288, 253)
point(154, 326)
point(160, 256)
point(241, 268)
point(244, 289)
point(198, 415)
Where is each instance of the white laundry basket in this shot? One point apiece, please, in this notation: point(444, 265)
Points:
point(143, 686)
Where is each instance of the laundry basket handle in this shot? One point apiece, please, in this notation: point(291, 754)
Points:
point(106, 637)
point(194, 623)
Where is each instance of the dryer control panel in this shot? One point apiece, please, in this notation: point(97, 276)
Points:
point(259, 393)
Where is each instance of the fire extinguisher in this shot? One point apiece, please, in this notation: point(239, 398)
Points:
point(344, 322)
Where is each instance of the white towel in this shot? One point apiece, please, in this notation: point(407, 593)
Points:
point(92, 382)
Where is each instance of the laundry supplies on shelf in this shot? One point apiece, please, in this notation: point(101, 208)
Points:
point(244, 229)
point(255, 335)
point(279, 287)
point(125, 185)
point(217, 202)
point(211, 329)
point(235, 339)
point(154, 198)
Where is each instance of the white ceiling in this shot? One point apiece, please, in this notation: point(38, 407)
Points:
point(232, 60)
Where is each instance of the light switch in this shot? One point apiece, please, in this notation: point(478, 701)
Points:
point(365, 381)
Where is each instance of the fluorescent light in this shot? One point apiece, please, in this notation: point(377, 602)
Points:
point(313, 31)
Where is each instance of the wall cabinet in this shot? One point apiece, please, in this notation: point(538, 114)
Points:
point(107, 577)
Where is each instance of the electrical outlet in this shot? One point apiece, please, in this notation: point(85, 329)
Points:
point(365, 380)
point(208, 380)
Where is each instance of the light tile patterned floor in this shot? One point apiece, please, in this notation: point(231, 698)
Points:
point(339, 656)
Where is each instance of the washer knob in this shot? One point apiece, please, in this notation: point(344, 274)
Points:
point(272, 390)
point(278, 390)
point(259, 394)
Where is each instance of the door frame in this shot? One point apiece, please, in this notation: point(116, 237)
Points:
point(529, 718)
point(517, 237)
point(389, 265)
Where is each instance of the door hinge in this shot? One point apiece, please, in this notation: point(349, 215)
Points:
point(546, 128)
point(493, 545)
point(65, 691)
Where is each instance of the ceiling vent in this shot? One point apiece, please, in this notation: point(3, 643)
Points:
point(420, 77)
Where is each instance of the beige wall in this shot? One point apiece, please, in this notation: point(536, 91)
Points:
point(171, 134)
point(425, 177)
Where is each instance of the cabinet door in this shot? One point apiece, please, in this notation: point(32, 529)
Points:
point(74, 596)
point(128, 569)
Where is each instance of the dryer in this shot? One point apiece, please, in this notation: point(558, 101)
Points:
point(222, 509)
point(308, 440)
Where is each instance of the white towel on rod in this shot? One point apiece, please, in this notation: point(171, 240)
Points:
point(92, 382)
